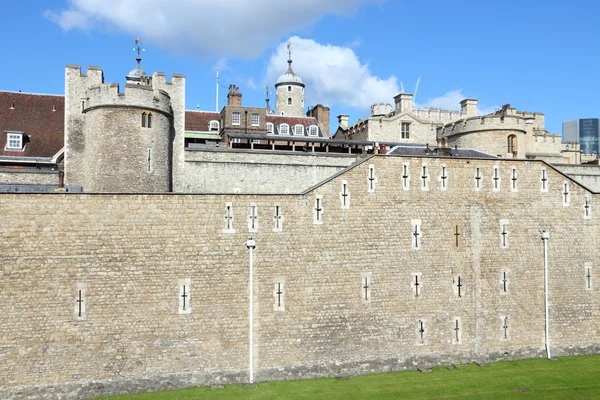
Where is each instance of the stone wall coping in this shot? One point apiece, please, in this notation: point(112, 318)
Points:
point(279, 152)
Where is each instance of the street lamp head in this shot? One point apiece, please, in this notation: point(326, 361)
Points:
point(251, 243)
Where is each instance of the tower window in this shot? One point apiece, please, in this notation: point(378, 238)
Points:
point(255, 119)
point(289, 88)
point(235, 118)
point(150, 120)
point(213, 126)
point(144, 120)
point(289, 101)
point(512, 145)
point(405, 130)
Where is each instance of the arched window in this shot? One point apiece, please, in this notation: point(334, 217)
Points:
point(289, 101)
point(144, 117)
point(150, 120)
point(284, 129)
point(512, 145)
point(269, 127)
point(289, 88)
point(213, 126)
point(313, 130)
point(298, 130)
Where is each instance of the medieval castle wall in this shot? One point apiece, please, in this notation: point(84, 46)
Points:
point(336, 273)
point(242, 171)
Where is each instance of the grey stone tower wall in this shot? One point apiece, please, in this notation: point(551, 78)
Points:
point(76, 85)
point(123, 156)
point(297, 96)
point(176, 90)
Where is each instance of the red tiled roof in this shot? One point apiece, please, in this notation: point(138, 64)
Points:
point(33, 115)
point(198, 120)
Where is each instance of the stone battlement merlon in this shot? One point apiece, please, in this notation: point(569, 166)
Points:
point(134, 96)
point(160, 78)
point(436, 114)
point(485, 123)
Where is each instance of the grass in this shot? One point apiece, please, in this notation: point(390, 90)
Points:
point(565, 378)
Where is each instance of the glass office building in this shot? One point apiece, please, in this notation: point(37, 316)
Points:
point(584, 131)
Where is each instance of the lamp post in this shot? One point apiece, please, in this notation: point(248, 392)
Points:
point(545, 236)
point(251, 245)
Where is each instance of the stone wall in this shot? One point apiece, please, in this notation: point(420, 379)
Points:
point(131, 255)
point(587, 175)
point(240, 171)
point(28, 176)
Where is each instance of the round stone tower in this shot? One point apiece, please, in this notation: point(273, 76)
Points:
point(128, 139)
point(289, 95)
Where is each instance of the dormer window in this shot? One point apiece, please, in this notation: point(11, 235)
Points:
point(313, 130)
point(214, 126)
point(269, 127)
point(12, 106)
point(14, 142)
point(284, 129)
point(298, 130)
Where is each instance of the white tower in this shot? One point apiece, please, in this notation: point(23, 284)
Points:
point(289, 95)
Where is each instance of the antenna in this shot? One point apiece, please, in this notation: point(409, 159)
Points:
point(401, 87)
point(416, 89)
point(217, 95)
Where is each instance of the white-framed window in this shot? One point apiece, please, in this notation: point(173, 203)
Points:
point(255, 119)
point(284, 129)
point(235, 118)
point(269, 127)
point(298, 130)
point(214, 126)
point(313, 130)
point(14, 141)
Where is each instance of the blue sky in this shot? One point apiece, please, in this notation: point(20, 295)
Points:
point(537, 55)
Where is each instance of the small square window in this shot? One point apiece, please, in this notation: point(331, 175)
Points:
point(235, 118)
point(255, 119)
point(14, 141)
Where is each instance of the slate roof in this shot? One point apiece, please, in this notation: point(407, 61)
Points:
point(421, 150)
point(33, 115)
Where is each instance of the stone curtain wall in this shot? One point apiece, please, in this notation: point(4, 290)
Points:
point(131, 254)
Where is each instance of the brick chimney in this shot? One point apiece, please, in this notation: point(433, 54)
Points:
point(468, 107)
point(321, 114)
point(234, 97)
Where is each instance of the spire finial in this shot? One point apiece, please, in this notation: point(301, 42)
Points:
point(289, 47)
point(139, 49)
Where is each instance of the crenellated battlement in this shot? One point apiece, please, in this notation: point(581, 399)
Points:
point(436, 114)
point(510, 121)
point(381, 109)
point(134, 96)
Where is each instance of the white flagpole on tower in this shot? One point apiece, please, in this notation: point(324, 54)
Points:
point(217, 97)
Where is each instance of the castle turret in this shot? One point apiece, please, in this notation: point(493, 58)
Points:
point(290, 92)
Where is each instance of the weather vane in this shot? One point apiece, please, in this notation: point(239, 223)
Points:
point(267, 92)
point(138, 46)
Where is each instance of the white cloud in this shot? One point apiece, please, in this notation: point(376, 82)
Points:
point(208, 28)
point(332, 75)
point(451, 101)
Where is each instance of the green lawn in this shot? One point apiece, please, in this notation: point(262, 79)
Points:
point(566, 378)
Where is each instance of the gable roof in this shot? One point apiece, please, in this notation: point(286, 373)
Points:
point(41, 118)
point(197, 121)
